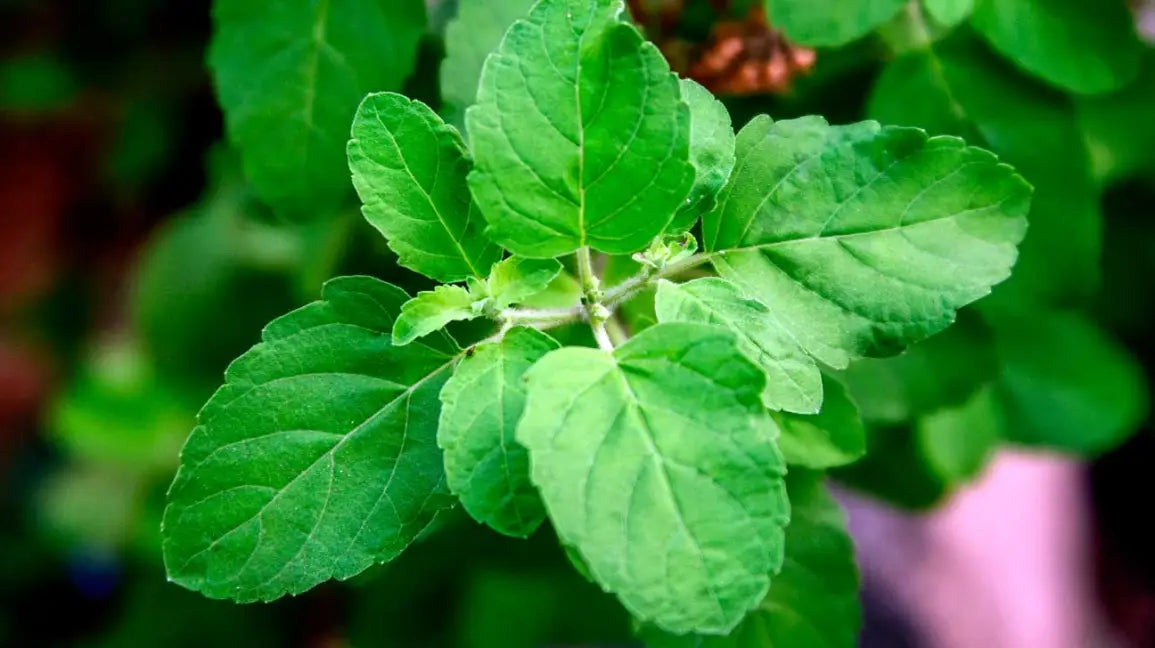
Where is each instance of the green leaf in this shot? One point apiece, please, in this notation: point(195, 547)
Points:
point(958, 87)
point(896, 470)
point(829, 23)
point(515, 279)
point(861, 239)
point(116, 413)
point(480, 407)
point(470, 37)
point(658, 464)
point(580, 134)
point(1084, 47)
point(431, 310)
point(1118, 128)
point(949, 12)
point(318, 456)
point(833, 437)
point(1066, 385)
point(813, 601)
point(289, 75)
point(793, 381)
point(409, 168)
point(943, 371)
point(959, 441)
point(711, 152)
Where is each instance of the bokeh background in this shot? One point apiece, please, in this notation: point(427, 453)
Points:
point(136, 261)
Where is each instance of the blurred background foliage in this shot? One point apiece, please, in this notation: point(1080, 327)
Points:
point(144, 241)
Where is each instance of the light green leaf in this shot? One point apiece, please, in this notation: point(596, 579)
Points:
point(940, 372)
point(515, 279)
point(580, 134)
point(958, 87)
point(711, 152)
point(1085, 47)
point(813, 601)
point(959, 441)
point(470, 37)
point(289, 75)
point(409, 168)
point(481, 405)
point(431, 310)
point(1066, 385)
point(658, 464)
point(833, 437)
point(862, 239)
point(793, 381)
point(949, 12)
point(829, 23)
point(318, 456)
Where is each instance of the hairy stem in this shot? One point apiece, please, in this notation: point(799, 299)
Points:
point(626, 290)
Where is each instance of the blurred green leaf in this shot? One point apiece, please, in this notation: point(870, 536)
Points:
point(959, 441)
point(1081, 46)
point(895, 470)
point(1120, 127)
point(118, 412)
point(215, 259)
point(941, 371)
point(469, 38)
point(36, 82)
point(1065, 384)
point(289, 75)
point(830, 23)
point(949, 12)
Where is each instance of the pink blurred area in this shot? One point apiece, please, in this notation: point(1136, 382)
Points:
point(1007, 562)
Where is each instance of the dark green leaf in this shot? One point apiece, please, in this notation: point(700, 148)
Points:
point(317, 458)
point(289, 74)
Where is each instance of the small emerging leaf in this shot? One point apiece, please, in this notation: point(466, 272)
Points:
point(430, 311)
point(658, 464)
point(409, 168)
point(318, 456)
point(481, 404)
point(515, 279)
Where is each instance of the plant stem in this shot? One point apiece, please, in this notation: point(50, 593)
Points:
point(586, 277)
point(602, 337)
point(626, 290)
